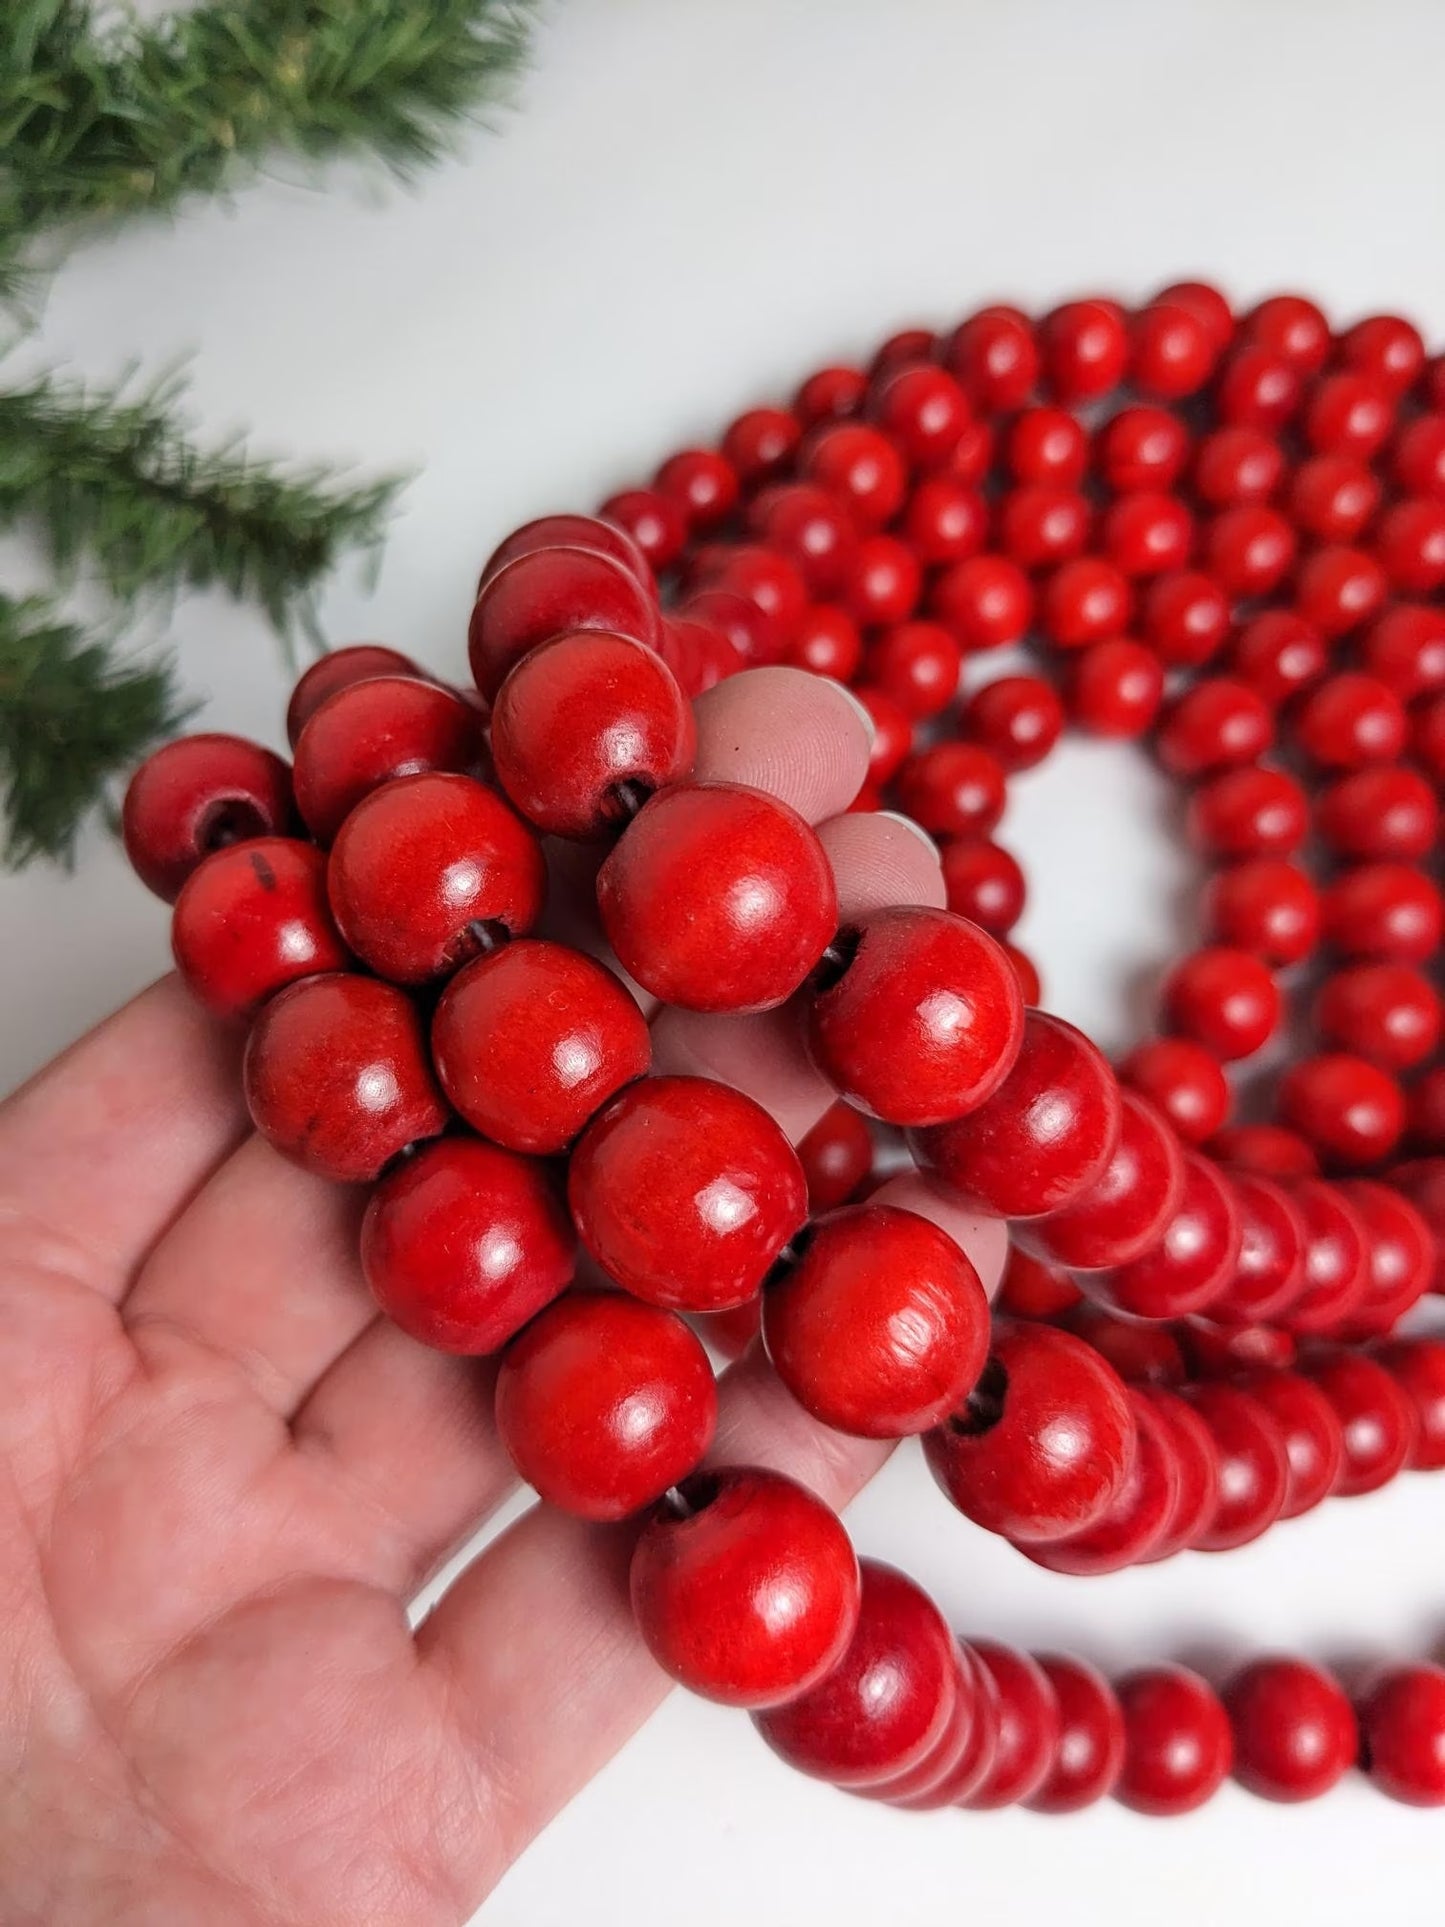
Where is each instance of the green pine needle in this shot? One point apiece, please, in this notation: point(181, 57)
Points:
point(96, 123)
point(72, 720)
point(113, 478)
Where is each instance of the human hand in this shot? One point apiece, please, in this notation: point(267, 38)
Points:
point(223, 1477)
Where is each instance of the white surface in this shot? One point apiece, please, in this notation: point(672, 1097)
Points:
point(698, 203)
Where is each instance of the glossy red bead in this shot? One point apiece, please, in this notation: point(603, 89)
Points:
point(1349, 1109)
point(831, 394)
point(1141, 448)
point(1041, 525)
point(1313, 1438)
point(197, 795)
point(548, 593)
point(1183, 1081)
point(1248, 550)
point(1402, 1732)
point(463, 1243)
point(1173, 350)
point(1257, 388)
point(1147, 533)
point(685, 1192)
point(1085, 601)
point(1278, 654)
point(1384, 812)
point(1237, 465)
point(1194, 1259)
point(703, 484)
point(917, 664)
point(336, 670)
point(1085, 347)
point(568, 532)
point(1377, 1420)
point(986, 602)
point(1088, 1754)
point(1027, 1727)
point(1115, 688)
point(1269, 1271)
point(954, 789)
point(772, 584)
point(603, 1403)
point(1196, 1462)
point(1142, 1511)
point(1124, 1212)
point(1018, 719)
point(747, 1590)
point(1046, 445)
point(1333, 497)
point(880, 1327)
point(1185, 618)
point(1206, 302)
point(1337, 1270)
point(945, 521)
point(1177, 1744)
point(919, 1019)
point(1044, 1136)
point(984, 884)
point(1224, 999)
point(885, 582)
point(337, 1076)
point(1417, 455)
point(1213, 726)
point(1409, 543)
point(1417, 1366)
point(1350, 720)
point(1348, 414)
point(1386, 911)
point(656, 524)
point(836, 1156)
point(1339, 589)
point(1253, 1466)
point(1405, 649)
point(1267, 1149)
point(1140, 1352)
point(251, 919)
point(372, 732)
point(1386, 347)
point(1294, 1729)
point(1032, 1289)
point(529, 1041)
point(827, 640)
point(812, 529)
point(995, 357)
point(923, 409)
point(760, 443)
point(1400, 1250)
point(718, 898)
point(1044, 1443)
point(1386, 1012)
point(860, 465)
point(1290, 326)
point(1264, 905)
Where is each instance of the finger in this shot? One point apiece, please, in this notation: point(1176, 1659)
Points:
point(535, 1647)
point(260, 1276)
point(880, 859)
point(101, 1149)
point(800, 737)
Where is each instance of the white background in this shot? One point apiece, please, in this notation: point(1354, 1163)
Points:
point(698, 203)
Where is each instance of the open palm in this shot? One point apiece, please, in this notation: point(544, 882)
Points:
point(222, 1478)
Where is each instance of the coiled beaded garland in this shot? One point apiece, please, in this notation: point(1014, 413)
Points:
point(1226, 534)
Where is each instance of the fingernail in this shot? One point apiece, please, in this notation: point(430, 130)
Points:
point(857, 708)
point(897, 816)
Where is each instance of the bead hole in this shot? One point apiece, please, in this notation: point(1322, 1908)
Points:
point(691, 1495)
point(622, 801)
point(788, 1257)
point(234, 819)
point(485, 935)
point(984, 1406)
point(832, 966)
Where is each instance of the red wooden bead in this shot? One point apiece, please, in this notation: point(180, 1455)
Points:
point(1386, 347)
point(1377, 1420)
point(1115, 688)
point(1032, 1289)
point(827, 641)
point(1313, 1439)
point(252, 918)
point(567, 532)
point(884, 1706)
point(1028, 1728)
point(1294, 1729)
point(953, 789)
point(919, 1019)
point(836, 1156)
point(1266, 1149)
point(761, 443)
point(1173, 351)
point(880, 1327)
point(1141, 448)
point(902, 350)
point(1146, 533)
point(984, 884)
point(428, 870)
point(1142, 1511)
point(1045, 1441)
point(197, 795)
point(1224, 999)
point(602, 1403)
point(1085, 349)
point(946, 521)
point(923, 409)
point(917, 664)
point(1185, 618)
point(1266, 906)
point(934, 1781)
point(885, 582)
point(974, 1763)
point(549, 593)
point(859, 464)
point(702, 483)
point(1213, 726)
point(1291, 327)
point(1390, 911)
point(655, 523)
point(1338, 589)
point(1417, 1366)
point(1183, 1081)
point(1043, 1137)
point(1337, 1267)
point(812, 529)
point(1257, 388)
point(1018, 719)
point(986, 601)
point(1253, 1468)
point(1350, 720)
point(771, 582)
point(336, 670)
point(1230, 1351)
point(1388, 1013)
point(1350, 1110)
point(337, 1076)
point(1248, 812)
point(1197, 1463)
point(1334, 497)
point(718, 898)
point(995, 357)
point(371, 732)
point(1236, 465)
point(698, 653)
point(529, 1041)
point(685, 1192)
point(1194, 1260)
point(1417, 456)
point(1047, 445)
point(1409, 543)
point(1278, 654)
point(832, 394)
point(753, 638)
point(1348, 414)
point(1085, 601)
point(1124, 1211)
point(1385, 811)
point(1402, 1730)
point(1269, 1272)
point(971, 457)
point(1400, 1252)
point(1141, 1353)
point(892, 733)
point(1405, 649)
point(1041, 525)
point(747, 1590)
point(463, 1243)
point(1207, 304)
point(1249, 550)
point(1177, 1744)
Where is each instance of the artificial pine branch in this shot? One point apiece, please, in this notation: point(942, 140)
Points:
point(96, 123)
point(72, 720)
point(113, 477)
